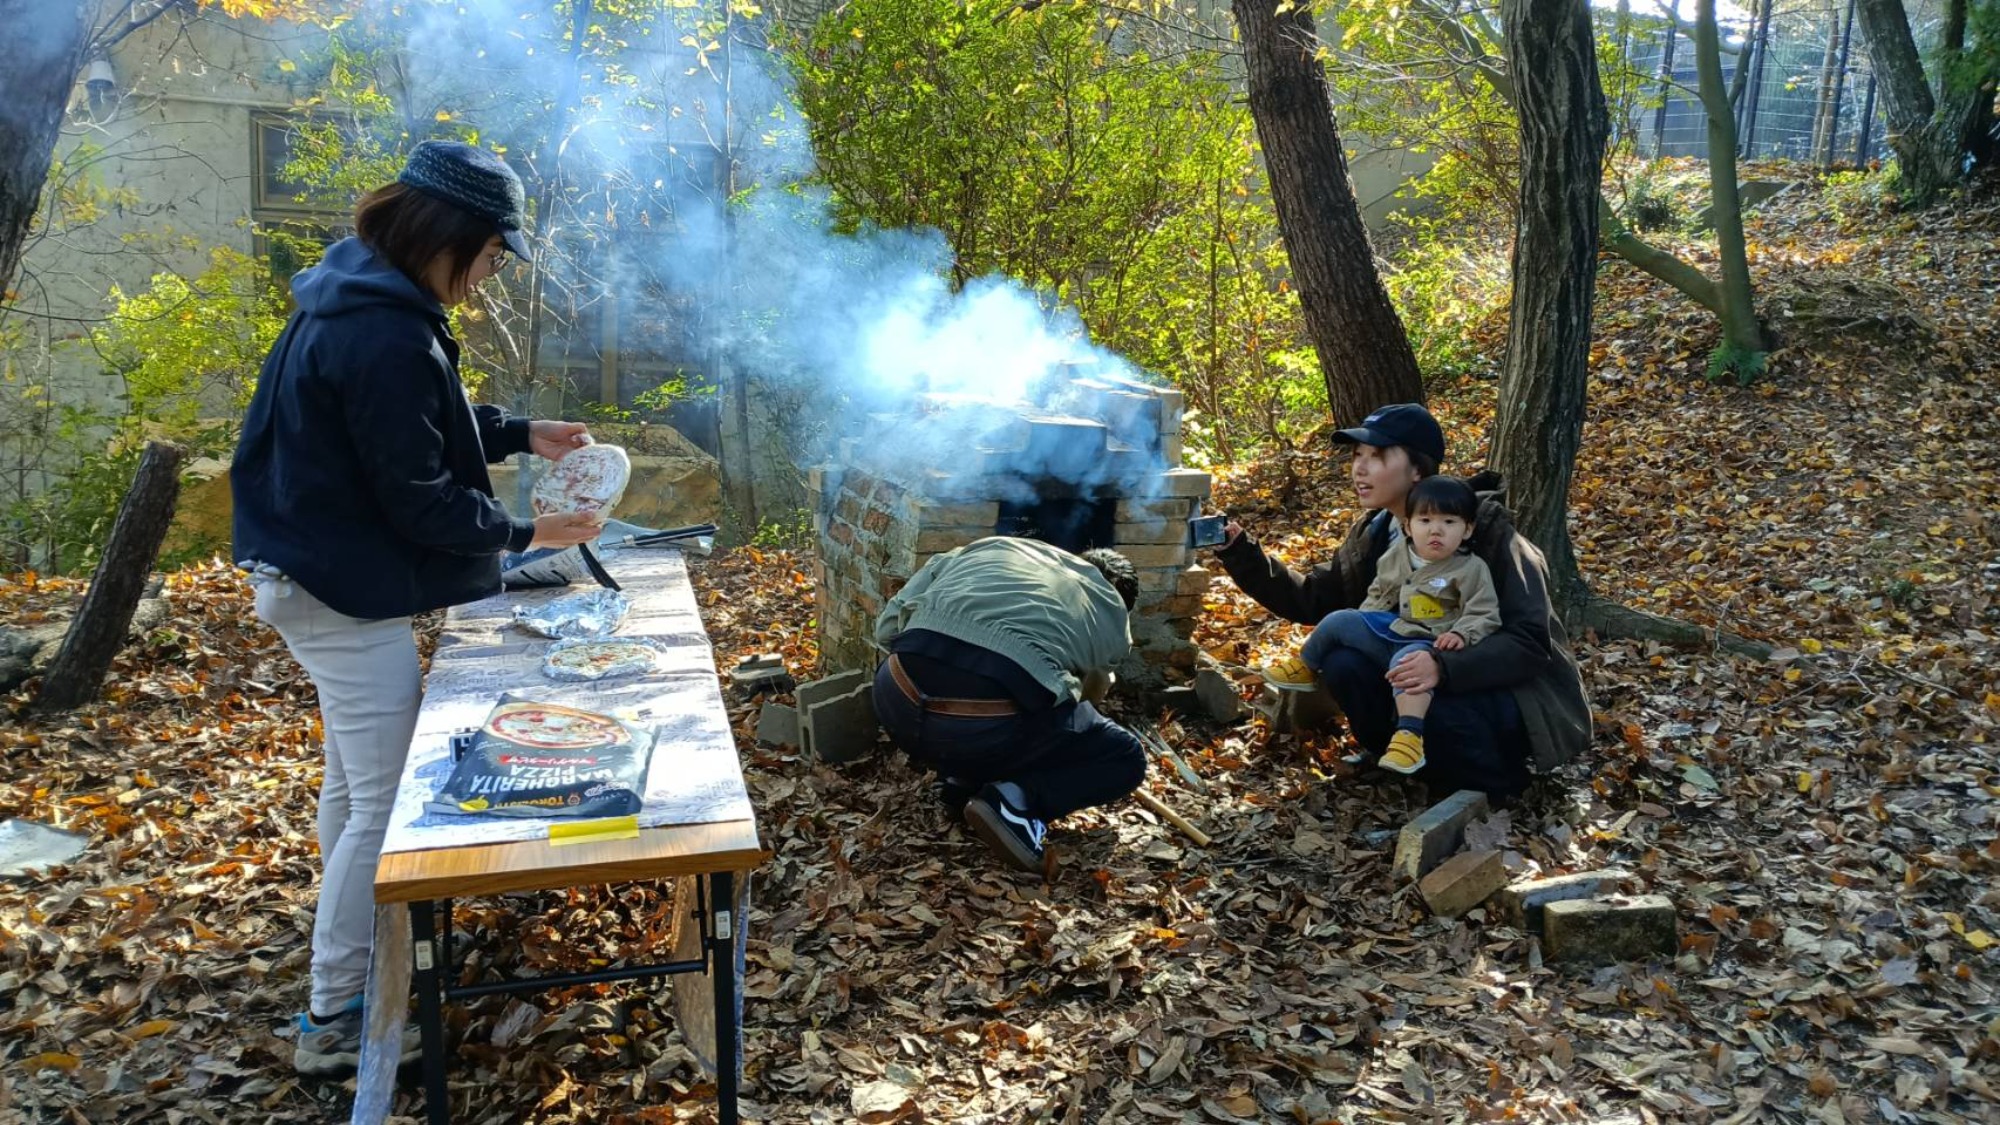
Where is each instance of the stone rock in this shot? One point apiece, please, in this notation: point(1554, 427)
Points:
point(1599, 930)
point(1218, 695)
point(778, 725)
point(843, 728)
point(1520, 905)
point(762, 680)
point(1436, 832)
point(1463, 882)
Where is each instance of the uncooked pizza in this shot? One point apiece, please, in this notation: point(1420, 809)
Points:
point(543, 759)
point(598, 658)
point(588, 479)
point(546, 726)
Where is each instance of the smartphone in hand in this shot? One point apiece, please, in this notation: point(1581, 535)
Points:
point(1208, 531)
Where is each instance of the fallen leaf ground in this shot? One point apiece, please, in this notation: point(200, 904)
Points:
point(1824, 821)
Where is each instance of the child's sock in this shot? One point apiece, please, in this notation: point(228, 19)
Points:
point(1411, 723)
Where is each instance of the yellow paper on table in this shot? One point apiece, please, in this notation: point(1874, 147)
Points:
point(594, 831)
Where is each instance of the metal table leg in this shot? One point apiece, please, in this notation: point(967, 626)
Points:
point(429, 982)
point(722, 971)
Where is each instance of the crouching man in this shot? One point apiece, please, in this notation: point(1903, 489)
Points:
point(997, 650)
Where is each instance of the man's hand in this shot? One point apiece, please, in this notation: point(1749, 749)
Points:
point(555, 439)
point(1450, 642)
point(1414, 674)
point(1231, 532)
point(564, 529)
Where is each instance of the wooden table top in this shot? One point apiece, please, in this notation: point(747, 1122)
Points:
point(531, 865)
point(537, 865)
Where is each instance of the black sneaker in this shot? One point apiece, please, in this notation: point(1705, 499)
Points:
point(1012, 834)
point(953, 793)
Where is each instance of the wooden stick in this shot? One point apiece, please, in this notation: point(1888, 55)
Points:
point(1160, 809)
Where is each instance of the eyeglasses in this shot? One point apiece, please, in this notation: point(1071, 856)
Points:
point(502, 258)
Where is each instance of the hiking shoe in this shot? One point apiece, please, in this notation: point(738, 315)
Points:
point(953, 793)
point(1012, 834)
point(333, 1048)
point(1291, 674)
point(1405, 753)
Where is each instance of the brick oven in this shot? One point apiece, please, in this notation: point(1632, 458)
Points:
point(1085, 460)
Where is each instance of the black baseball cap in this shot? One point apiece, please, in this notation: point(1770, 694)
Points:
point(1406, 424)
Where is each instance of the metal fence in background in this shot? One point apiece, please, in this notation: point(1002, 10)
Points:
point(1809, 96)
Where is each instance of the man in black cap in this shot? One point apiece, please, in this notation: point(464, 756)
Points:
point(1514, 699)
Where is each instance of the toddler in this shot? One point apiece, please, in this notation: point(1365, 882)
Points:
point(1430, 591)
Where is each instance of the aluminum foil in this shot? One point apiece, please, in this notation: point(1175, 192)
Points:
point(593, 613)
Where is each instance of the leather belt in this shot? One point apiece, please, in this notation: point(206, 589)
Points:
point(964, 708)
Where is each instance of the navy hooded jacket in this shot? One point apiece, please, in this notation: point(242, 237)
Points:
point(361, 472)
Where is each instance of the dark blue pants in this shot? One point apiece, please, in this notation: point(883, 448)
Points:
point(1472, 740)
point(1066, 758)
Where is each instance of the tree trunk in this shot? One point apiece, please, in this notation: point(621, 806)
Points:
point(1552, 56)
point(1363, 351)
point(1925, 132)
point(98, 631)
point(45, 44)
point(1743, 344)
point(1822, 139)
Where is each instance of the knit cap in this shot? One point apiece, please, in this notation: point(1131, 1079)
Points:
point(473, 180)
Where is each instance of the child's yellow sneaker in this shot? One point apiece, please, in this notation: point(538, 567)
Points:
point(1291, 674)
point(1405, 753)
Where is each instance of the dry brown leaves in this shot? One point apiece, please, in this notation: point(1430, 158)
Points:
point(1825, 822)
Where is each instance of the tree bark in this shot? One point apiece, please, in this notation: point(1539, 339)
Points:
point(1927, 132)
point(1743, 342)
point(45, 44)
point(1563, 123)
point(1363, 351)
point(98, 631)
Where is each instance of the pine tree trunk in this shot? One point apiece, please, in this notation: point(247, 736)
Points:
point(98, 630)
point(1743, 339)
point(1363, 351)
point(1563, 124)
point(45, 41)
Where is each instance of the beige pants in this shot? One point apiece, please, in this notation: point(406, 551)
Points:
point(369, 688)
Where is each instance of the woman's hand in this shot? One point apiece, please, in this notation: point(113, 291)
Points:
point(563, 529)
point(554, 439)
point(1231, 532)
point(1415, 674)
point(1450, 642)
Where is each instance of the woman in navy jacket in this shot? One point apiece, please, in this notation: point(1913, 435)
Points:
point(362, 498)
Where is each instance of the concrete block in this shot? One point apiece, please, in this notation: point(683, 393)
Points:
point(1436, 832)
point(1520, 905)
point(937, 540)
point(1155, 511)
point(762, 660)
point(960, 515)
point(778, 725)
point(1192, 581)
point(1597, 930)
point(1156, 555)
point(1218, 695)
point(1172, 449)
point(842, 728)
point(1189, 484)
point(1463, 882)
point(762, 679)
point(812, 692)
point(1157, 532)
